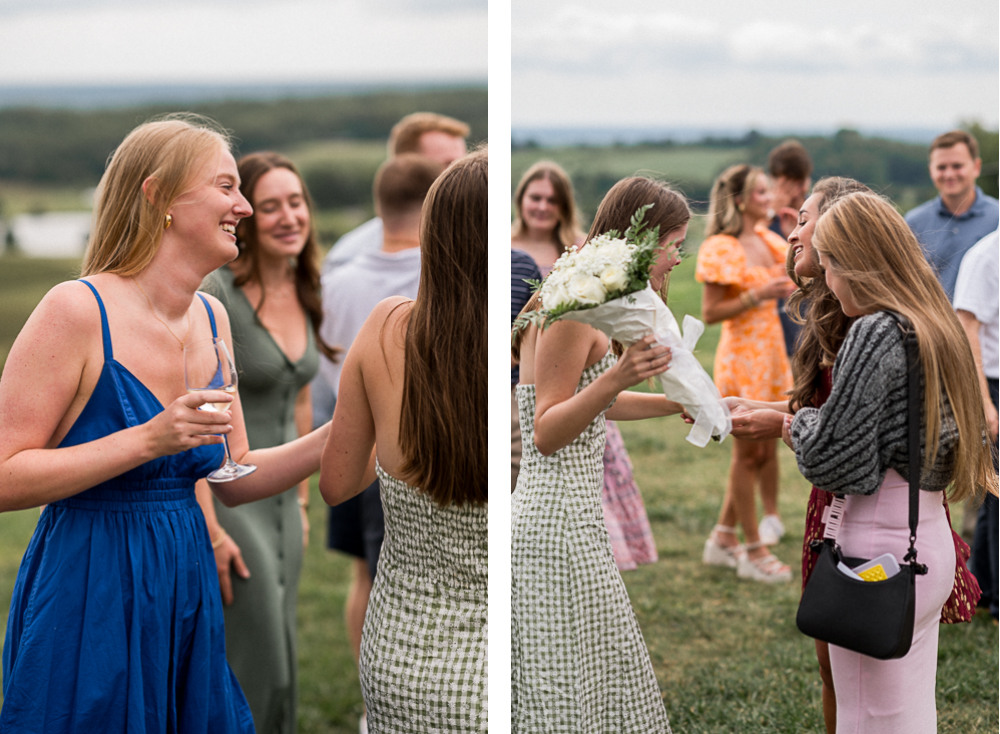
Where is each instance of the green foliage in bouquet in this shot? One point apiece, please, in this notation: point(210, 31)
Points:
point(605, 268)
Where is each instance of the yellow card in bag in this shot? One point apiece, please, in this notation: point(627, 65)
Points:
point(878, 569)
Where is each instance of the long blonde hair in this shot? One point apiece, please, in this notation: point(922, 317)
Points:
point(442, 431)
point(724, 213)
point(869, 244)
point(567, 232)
point(128, 223)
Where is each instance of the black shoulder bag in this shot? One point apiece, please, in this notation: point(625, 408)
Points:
point(874, 618)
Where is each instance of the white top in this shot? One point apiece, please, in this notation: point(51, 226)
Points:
point(360, 240)
point(977, 291)
point(352, 291)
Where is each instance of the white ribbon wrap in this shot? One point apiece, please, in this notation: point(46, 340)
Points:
point(686, 382)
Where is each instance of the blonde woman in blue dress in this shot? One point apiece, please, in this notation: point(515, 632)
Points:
point(578, 660)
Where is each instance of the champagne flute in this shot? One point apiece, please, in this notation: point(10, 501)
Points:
point(208, 366)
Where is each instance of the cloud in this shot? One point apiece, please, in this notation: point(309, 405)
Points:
point(607, 42)
point(107, 41)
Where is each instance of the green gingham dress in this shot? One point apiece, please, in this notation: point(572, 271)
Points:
point(578, 660)
point(423, 648)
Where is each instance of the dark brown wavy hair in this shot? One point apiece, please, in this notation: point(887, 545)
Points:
point(442, 428)
point(251, 168)
point(825, 325)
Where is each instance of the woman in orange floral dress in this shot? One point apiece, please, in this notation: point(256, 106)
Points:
point(742, 266)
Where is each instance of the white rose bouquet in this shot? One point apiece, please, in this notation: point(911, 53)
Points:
point(605, 283)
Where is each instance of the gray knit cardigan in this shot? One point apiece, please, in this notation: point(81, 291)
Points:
point(848, 444)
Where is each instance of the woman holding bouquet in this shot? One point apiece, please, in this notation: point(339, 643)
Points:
point(856, 443)
point(578, 660)
point(545, 227)
point(742, 266)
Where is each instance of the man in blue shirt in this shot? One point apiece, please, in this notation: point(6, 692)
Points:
point(961, 215)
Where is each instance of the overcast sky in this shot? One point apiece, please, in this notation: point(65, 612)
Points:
point(784, 63)
point(241, 41)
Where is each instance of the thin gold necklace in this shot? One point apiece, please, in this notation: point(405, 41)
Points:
point(153, 311)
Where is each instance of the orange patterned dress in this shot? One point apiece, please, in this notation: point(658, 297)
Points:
point(750, 361)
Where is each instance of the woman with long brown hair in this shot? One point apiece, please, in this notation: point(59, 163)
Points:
point(578, 660)
point(116, 619)
point(271, 292)
point(546, 221)
point(413, 388)
point(856, 443)
point(741, 264)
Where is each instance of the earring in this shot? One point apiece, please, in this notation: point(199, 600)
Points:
point(167, 221)
point(738, 206)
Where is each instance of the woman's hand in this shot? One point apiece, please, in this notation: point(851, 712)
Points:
point(642, 360)
point(786, 431)
point(757, 425)
point(227, 556)
point(780, 287)
point(181, 425)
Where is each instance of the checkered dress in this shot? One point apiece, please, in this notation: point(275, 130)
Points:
point(423, 649)
point(578, 660)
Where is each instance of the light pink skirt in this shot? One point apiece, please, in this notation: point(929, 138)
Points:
point(895, 696)
point(632, 541)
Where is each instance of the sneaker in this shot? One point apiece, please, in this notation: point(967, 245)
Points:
point(768, 569)
point(771, 529)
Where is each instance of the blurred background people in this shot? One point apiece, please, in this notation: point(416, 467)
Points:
point(978, 308)
point(742, 264)
point(546, 221)
point(522, 268)
point(961, 214)
point(790, 168)
point(271, 292)
point(350, 293)
point(413, 388)
point(433, 136)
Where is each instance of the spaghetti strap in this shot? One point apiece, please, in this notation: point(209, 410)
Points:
point(211, 316)
point(105, 331)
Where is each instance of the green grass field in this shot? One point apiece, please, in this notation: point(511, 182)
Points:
point(726, 652)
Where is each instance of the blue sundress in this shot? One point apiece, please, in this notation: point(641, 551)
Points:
point(116, 618)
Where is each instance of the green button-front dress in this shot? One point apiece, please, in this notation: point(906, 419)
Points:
point(260, 624)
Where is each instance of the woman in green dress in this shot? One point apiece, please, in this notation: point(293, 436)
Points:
point(271, 292)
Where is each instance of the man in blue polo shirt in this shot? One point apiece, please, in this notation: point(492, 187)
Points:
point(961, 215)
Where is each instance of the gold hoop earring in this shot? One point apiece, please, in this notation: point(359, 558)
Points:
point(167, 221)
point(741, 207)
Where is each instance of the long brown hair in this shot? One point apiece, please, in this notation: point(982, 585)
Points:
point(669, 211)
point(825, 327)
point(128, 223)
point(567, 232)
point(251, 168)
point(869, 244)
point(442, 430)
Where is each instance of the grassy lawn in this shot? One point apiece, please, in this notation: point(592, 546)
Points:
point(726, 652)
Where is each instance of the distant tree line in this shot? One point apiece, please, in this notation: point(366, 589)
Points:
point(888, 166)
point(71, 147)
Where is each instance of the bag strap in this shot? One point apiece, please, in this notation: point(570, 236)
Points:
point(913, 434)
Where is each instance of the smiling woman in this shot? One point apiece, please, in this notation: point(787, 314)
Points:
point(271, 292)
point(98, 426)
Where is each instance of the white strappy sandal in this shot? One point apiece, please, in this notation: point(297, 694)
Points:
point(722, 555)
